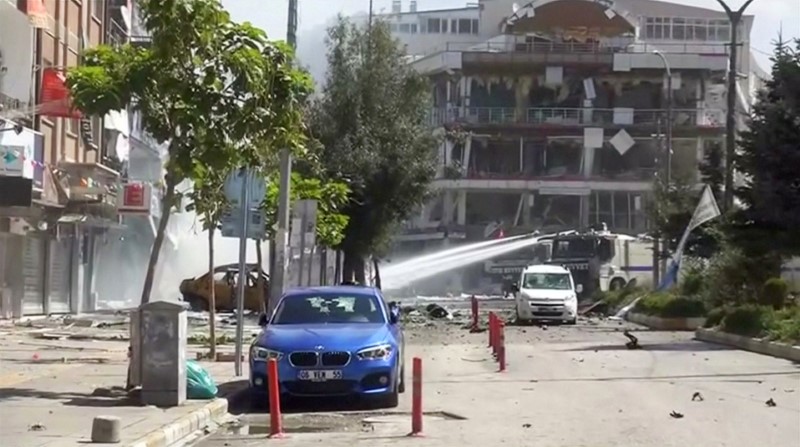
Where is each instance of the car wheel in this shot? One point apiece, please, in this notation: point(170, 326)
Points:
point(401, 387)
point(616, 284)
point(196, 303)
point(520, 321)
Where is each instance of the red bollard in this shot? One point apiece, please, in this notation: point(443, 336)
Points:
point(416, 399)
point(275, 421)
point(491, 329)
point(501, 349)
point(474, 313)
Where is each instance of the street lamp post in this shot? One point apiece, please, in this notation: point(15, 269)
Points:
point(669, 116)
point(735, 17)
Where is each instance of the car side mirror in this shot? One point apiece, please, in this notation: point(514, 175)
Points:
point(262, 320)
point(579, 288)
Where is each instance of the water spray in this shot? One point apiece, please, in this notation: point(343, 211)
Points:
point(414, 263)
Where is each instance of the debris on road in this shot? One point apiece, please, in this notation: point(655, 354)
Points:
point(697, 397)
point(37, 427)
point(436, 311)
point(676, 415)
point(771, 403)
point(633, 343)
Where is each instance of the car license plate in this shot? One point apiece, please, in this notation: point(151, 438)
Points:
point(320, 375)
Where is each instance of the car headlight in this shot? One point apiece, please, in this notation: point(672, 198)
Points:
point(380, 352)
point(572, 301)
point(259, 354)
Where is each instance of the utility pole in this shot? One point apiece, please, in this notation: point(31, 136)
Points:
point(735, 18)
point(669, 116)
point(278, 276)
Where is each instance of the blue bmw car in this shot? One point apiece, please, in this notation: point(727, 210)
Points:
point(332, 341)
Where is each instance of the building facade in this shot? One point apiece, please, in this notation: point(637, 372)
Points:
point(558, 118)
point(62, 175)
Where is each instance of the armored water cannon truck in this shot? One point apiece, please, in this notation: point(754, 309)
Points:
point(601, 260)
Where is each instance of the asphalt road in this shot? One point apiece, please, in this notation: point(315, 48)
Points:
point(567, 386)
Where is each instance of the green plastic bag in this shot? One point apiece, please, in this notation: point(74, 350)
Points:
point(199, 384)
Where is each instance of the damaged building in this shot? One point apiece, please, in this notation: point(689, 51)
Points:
point(556, 115)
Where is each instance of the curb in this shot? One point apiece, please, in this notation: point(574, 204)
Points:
point(666, 324)
point(770, 348)
point(185, 425)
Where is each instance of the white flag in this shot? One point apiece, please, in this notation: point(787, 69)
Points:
point(706, 210)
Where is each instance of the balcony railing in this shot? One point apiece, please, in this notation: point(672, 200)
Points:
point(574, 116)
point(625, 46)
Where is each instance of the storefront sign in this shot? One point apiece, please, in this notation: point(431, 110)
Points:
point(136, 198)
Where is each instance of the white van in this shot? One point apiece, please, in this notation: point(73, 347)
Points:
point(547, 293)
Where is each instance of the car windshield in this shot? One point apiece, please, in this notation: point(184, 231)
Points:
point(328, 309)
point(549, 281)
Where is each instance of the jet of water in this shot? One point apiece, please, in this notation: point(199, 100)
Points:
point(413, 264)
point(426, 270)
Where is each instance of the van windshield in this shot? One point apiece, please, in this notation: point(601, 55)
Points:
point(548, 281)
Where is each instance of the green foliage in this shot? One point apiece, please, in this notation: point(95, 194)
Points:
point(712, 169)
point(617, 299)
point(732, 277)
point(775, 293)
point(208, 199)
point(331, 197)
point(764, 322)
point(715, 317)
point(371, 121)
point(768, 157)
point(668, 305)
point(219, 93)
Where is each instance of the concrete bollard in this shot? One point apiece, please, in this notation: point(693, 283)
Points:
point(106, 429)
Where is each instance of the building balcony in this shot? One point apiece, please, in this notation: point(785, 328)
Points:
point(566, 185)
point(574, 117)
point(91, 188)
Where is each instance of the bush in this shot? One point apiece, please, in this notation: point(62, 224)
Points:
point(715, 317)
point(667, 305)
point(786, 325)
point(736, 279)
point(748, 320)
point(774, 293)
point(617, 299)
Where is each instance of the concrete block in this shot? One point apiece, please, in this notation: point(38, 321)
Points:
point(765, 347)
point(106, 429)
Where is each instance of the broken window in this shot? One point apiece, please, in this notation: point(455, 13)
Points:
point(563, 157)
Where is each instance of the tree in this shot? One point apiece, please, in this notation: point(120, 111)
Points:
point(371, 122)
point(217, 92)
point(712, 170)
point(769, 155)
point(331, 197)
point(209, 202)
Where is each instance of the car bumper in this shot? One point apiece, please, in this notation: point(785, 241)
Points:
point(359, 377)
point(549, 313)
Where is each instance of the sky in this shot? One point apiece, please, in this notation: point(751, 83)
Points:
point(271, 15)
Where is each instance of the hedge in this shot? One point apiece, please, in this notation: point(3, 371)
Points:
point(759, 322)
point(667, 305)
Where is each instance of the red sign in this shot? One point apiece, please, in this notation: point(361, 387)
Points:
point(135, 198)
point(37, 13)
point(54, 97)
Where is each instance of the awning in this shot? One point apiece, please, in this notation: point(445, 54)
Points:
point(89, 221)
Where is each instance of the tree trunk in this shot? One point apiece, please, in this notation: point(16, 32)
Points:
point(377, 273)
point(166, 209)
point(353, 270)
point(260, 277)
point(212, 298)
point(337, 269)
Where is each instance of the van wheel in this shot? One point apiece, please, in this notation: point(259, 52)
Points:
point(616, 284)
point(520, 321)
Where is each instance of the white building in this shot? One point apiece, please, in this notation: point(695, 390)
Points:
point(562, 107)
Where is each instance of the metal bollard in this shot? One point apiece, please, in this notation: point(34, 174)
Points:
point(416, 398)
point(501, 350)
point(275, 420)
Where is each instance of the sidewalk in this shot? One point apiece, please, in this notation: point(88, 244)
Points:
point(50, 391)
